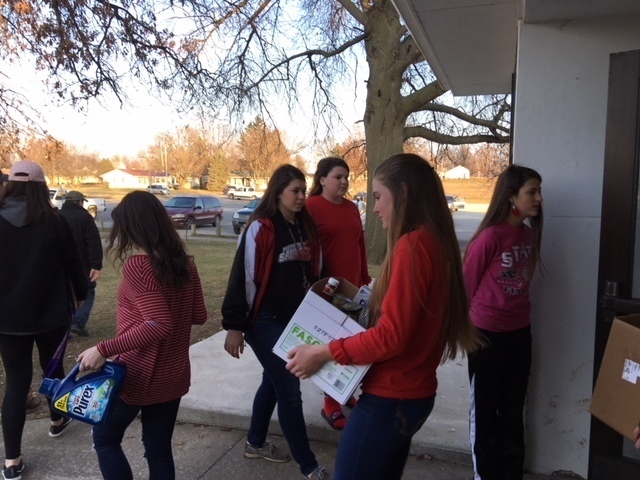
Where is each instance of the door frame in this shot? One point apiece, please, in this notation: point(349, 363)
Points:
point(617, 241)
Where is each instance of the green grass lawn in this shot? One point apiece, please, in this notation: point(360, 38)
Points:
point(213, 259)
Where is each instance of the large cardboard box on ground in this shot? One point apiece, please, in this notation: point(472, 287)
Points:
point(616, 398)
point(315, 322)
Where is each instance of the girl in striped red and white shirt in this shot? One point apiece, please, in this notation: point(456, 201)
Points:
point(160, 297)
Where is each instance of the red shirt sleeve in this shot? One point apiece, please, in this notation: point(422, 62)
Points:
point(403, 309)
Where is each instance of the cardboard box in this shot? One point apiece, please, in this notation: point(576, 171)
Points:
point(616, 398)
point(316, 322)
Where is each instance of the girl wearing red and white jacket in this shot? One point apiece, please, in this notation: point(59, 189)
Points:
point(277, 260)
point(498, 265)
point(418, 317)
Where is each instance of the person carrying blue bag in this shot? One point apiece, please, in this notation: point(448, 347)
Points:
point(159, 299)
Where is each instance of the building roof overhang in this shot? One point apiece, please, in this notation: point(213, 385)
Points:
point(471, 44)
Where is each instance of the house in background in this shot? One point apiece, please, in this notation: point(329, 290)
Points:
point(238, 179)
point(456, 173)
point(243, 179)
point(89, 179)
point(573, 71)
point(135, 179)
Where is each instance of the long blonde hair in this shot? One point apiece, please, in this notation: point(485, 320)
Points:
point(419, 201)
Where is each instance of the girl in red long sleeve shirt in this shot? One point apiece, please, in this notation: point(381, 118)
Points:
point(418, 315)
point(159, 299)
point(342, 239)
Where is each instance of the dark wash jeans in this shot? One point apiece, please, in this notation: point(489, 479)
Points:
point(281, 387)
point(158, 421)
point(82, 314)
point(376, 440)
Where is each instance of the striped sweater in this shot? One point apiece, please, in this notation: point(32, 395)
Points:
point(153, 332)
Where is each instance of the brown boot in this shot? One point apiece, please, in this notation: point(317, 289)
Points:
point(33, 400)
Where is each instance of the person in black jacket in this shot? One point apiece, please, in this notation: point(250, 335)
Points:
point(87, 236)
point(41, 274)
point(277, 260)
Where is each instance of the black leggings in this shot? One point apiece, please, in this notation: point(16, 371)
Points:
point(16, 352)
point(499, 375)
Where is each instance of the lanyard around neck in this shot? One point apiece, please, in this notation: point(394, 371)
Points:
point(305, 283)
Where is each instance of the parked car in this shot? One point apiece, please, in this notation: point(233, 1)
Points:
point(187, 210)
point(91, 205)
point(455, 202)
point(244, 193)
point(158, 189)
point(241, 217)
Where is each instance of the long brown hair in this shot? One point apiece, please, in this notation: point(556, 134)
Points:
point(509, 183)
point(325, 165)
point(141, 221)
point(268, 207)
point(37, 194)
point(419, 201)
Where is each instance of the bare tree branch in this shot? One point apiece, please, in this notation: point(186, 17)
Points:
point(217, 23)
point(309, 54)
point(422, 132)
point(492, 124)
point(420, 99)
point(354, 11)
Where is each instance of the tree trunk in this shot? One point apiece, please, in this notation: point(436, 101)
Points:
point(384, 121)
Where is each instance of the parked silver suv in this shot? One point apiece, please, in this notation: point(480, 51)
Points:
point(158, 189)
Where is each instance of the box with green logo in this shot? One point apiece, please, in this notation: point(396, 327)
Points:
point(316, 322)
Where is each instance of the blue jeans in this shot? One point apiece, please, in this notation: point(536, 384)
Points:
point(82, 315)
point(281, 387)
point(376, 440)
point(158, 421)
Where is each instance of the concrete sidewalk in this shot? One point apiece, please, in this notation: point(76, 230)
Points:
point(201, 453)
point(210, 436)
point(222, 390)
